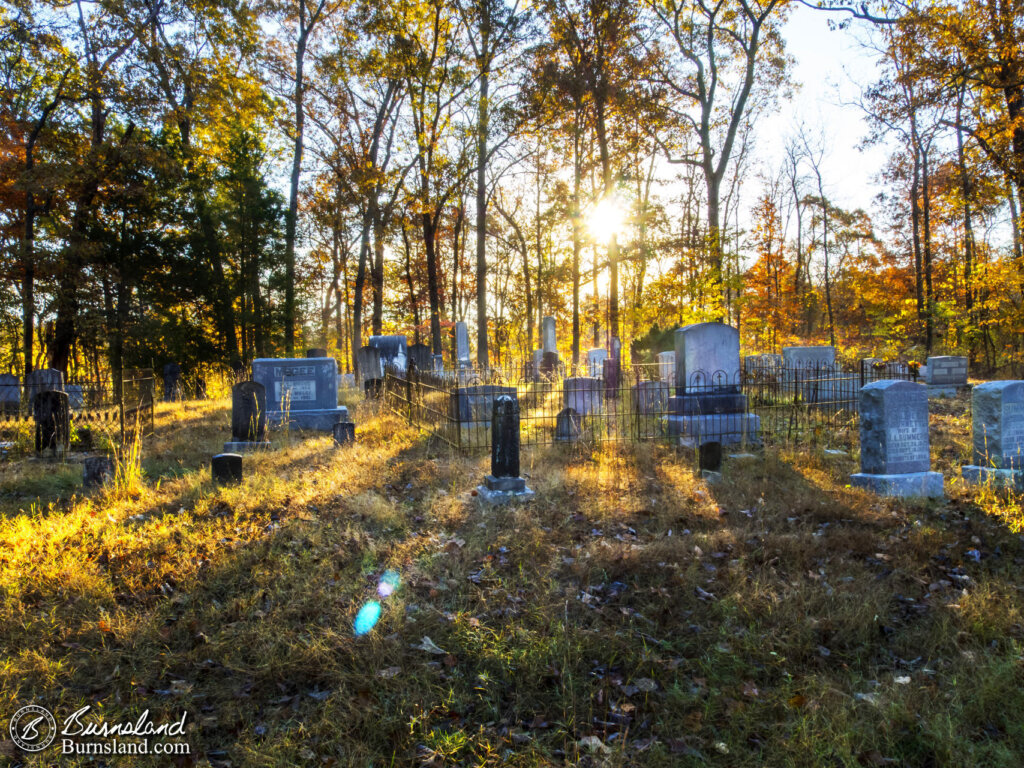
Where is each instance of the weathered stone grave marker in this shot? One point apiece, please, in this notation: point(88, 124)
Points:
point(708, 404)
point(504, 483)
point(43, 380)
point(301, 392)
point(894, 445)
point(595, 361)
point(650, 397)
point(462, 357)
point(344, 432)
point(568, 426)
point(97, 471)
point(248, 418)
point(53, 421)
point(226, 468)
point(582, 394)
point(10, 395)
point(421, 358)
point(313, 352)
point(666, 366)
point(394, 351)
point(997, 409)
point(172, 381)
point(945, 374)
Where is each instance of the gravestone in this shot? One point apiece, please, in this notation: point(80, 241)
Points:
point(248, 418)
point(226, 468)
point(611, 374)
point(536, 360)
point(316, 352)
point(394, 352)
point(808, 357)
point(439, 364)
point(346, 380)
point(10, 395)
point(709, 456)
point(568, 426)
point(944, 375)
point(172, 379)
point(582, 394)
point(421, 358)
point(474, 405)
point(53, 421)
point(462, 359)
point(547, 329)
point(97, 471)
point(549, 365)
point(595, 361)
point(76, 397)
point(812, 372)
point(708, 404)
point(43, 380)
point(650, 397)
point(344, 432)
point(504, 484)
point(302, 393)
point(997, 409)
point(368, 361)
point(666, 366)
point(894, 446)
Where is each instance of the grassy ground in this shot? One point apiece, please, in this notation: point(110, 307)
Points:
point(632, 615)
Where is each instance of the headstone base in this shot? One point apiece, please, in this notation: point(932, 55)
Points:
point(998, 478)
point(910, 484)
point(514, 484)
point(491, 498)
point(707, 403)
point(320, 420)
point(939, 390)
point(726, 428)
point(245, 446)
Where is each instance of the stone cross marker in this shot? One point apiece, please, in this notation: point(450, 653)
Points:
point(53, 421)
point(504, 483)
point(998, 412)
point(894, 445)
point(547, 329)
point(462, 345)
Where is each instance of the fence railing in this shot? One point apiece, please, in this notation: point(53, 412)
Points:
point(104, 410)
point(806, 404)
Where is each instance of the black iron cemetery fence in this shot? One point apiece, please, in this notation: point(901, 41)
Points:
point(795, 404)
point(109, 410)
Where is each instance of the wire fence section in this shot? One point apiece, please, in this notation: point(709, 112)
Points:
point(102, 411)
point(763, 401)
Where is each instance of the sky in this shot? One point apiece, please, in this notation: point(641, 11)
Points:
point(831, 67)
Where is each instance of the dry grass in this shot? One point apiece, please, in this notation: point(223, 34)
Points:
point(632, 615)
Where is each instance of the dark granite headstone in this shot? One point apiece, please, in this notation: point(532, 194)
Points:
point(53, 421)
point(710, 455)
point(549, 364)
point(226, 468)
point(344, 432)
point(421, 357)
point(612, 369)
point(172, 377)
point(316, 352)
point(97, 471)
point(248, 412)
point(10, 395)
point(505, 437)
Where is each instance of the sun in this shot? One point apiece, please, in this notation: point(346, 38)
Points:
point(607, 219)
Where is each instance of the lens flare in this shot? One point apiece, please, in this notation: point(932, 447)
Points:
point(607, 219)
point(388, 583)
point(367, 617)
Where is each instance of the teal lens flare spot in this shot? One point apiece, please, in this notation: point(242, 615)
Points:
point(367, 617)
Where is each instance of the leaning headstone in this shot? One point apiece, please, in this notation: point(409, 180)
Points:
point(462, 358)
point(666, 366)
point(316, 352)
point(504, 483)
point(226, 468)
point(595, 361)
point(10, 395)
point(394, 351)
point(43, 380)
point(547, 330)
point(568, 426)
point(368, 361)
point(172, 379)
point(303, 393)
point(421, 358)
point(582, 394)
point(945, 374)
point(53, 421)
point(344, 432)
point(894, 452)
point(708, 404)
point(97, 471)
point(997, 408)
point(248, 418)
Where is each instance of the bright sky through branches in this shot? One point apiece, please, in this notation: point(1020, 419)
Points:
point(607, 219)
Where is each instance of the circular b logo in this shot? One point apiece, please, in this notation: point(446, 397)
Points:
point(33, 728)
